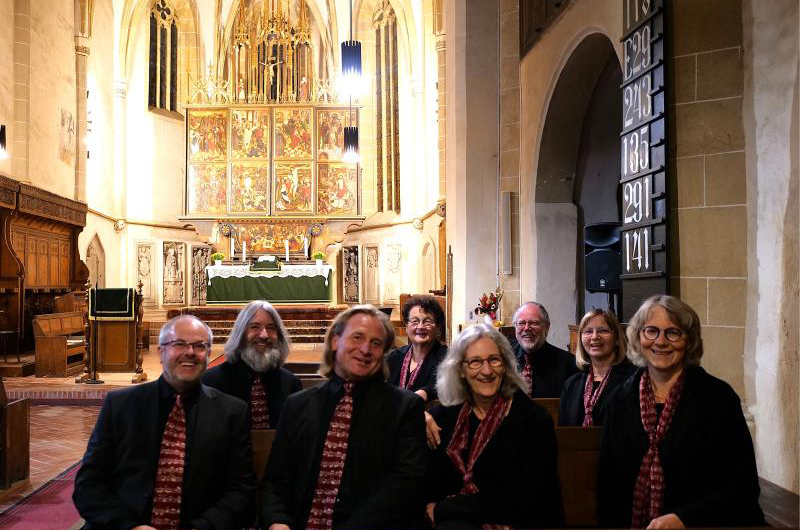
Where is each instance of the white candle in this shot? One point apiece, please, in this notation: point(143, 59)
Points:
point(230, 256)
point(244, 250)
point(305, 247)
point(286, 245)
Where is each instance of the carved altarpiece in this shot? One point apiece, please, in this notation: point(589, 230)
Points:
point(145, 265)
point(174, 287)
point(200, 257)
point(351, 275)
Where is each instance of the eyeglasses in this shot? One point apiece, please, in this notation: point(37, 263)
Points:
point(198, 347)
point(588, 332)
point(476, 364)
point(671, 334)
point(522, 324)
point(427, 322)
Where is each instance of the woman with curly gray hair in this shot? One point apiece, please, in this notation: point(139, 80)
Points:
point(676, 450)
point(496, 463)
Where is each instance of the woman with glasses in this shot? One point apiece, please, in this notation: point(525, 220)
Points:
point(600, 357)
point(676, 450)
point(497, 463)
point(414, 366)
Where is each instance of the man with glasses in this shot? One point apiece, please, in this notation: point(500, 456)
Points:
point(256, 349)
point(172, 453)
point(543, 366)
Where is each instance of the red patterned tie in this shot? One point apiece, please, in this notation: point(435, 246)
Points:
point(259, 417)
point(169, 477)
point(527, 374)
point(332, 464)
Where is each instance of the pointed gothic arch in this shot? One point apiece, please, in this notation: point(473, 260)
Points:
point(96, 262)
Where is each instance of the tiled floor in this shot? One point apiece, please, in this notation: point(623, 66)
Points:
point(58, 440)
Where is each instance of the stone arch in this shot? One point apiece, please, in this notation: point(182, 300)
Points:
point(96, 262)
point(427, 267)
point(565, 159)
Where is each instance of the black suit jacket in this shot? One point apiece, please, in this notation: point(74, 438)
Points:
point(114, 487)
point(426, 379)
point(236, 379)
point(570, 407)
point(551, 367)
point(516, 474)
point(710, 476)
point(381, 486)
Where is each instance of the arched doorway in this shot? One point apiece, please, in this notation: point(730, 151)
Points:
point(577, 173)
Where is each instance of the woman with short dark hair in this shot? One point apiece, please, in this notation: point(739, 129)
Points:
point(497, 461)
point(676, 450)
point(600, 357)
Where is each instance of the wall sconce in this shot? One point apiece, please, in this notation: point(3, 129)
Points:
point(3, 151)
point(350, 82)
point(350, 155)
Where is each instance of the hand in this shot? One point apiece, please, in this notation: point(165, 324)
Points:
point(421, 393)
point(432, 431)
point(429, 512)
point(666, 521)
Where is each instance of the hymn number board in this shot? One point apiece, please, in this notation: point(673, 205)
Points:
point(643, 154)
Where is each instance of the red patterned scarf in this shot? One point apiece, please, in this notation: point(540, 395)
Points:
point(590, 398)
point(406, 379)
point(167, 493)
point(648, 493)
point(259, 414)
point(458, 443)
point(527, 373)
point(331, 466)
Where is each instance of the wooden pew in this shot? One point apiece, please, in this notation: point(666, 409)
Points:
point(311, 380)
point(578, 451)
point(551, 404)
point(15, 439)
point(60, 348)
point(262, 444)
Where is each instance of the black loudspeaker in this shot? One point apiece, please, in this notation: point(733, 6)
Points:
point(602, 265)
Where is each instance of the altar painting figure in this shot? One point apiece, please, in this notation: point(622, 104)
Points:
point(249, 188)
point(350, 272)
point(250, 133)
point(208, 187)
point(293, 133)
point(330, 132)
point(207, 135)
point(292, 188)
point(337, 189)
point(268, 238)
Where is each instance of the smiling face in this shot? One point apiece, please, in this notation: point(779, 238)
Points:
point(662, 355)
point(484, 383)
point(261, 332)
point(360, 348)
point(598, 339)
point(183, 368)
point(421, 327)
point(531, 328)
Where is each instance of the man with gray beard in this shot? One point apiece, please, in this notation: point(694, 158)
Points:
point(254, 355)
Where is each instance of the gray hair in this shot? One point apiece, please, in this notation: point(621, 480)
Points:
point(450, 383)
point(582, 359)
point(168, 329)
point(238, 336)
point(338, 327)
point(681, 313)
point(542, 311)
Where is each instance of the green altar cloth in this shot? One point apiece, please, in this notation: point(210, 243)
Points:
point(303, 289)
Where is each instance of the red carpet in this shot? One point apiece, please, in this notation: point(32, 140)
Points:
point(49, 507)
point(219, 360)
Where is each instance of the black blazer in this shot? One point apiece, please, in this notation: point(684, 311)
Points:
point(551, 367)
point(114, 486)
point(382, 481)
point(570, 407)
point(426, 379)
point(516, 474)
point(710, 476)
point(236, 379)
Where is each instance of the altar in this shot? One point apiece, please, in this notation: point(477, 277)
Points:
point(300, 283)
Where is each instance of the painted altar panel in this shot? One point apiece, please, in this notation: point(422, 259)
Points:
point(174, 273)
point(207, 135)
point(208, 189)
point(268, 238)
point(292, 189)
point(249, 187)
point(351, 275)
point(337, 192)
point(199, 259)
point(293, 132)
point(330, 132)
point(250, 133)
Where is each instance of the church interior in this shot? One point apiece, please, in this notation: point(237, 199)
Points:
point(187, 156)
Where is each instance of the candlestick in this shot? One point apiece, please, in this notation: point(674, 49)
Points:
point(305, 247)
point(286, 245)
point(231, 254)
point(244, 250)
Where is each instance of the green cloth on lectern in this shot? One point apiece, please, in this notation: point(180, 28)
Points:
point(277, 290)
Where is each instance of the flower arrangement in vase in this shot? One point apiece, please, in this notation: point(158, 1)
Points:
point(489, 304)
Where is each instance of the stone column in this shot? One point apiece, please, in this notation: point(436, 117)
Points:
point(22, 76)
point(81, 65)
point(120, 151)
point(441, 58)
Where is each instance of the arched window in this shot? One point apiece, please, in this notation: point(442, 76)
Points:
point(387, 109)
point(162, 82)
